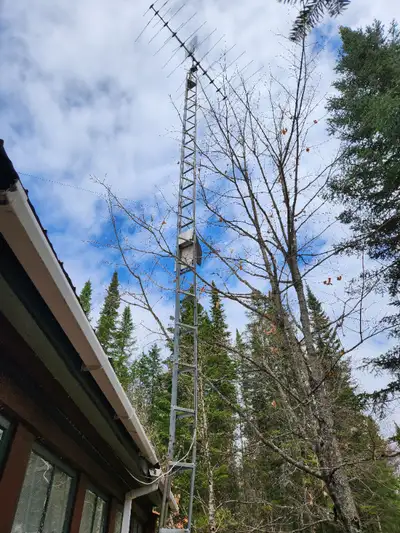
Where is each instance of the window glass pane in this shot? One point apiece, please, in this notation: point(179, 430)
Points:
point(118, 521)
point(4, 434)
point(94, 514)
point(99, 517)
point(44, 498)
point(88, 512)
point(32, 501)
point(58, 503)
point(4, 424)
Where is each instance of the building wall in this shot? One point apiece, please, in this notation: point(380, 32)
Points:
point(47, 445)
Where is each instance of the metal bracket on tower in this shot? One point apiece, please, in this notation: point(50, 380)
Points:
point(190, 249)
point(170, 530)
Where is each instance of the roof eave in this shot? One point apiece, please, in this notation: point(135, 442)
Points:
point(26, 238)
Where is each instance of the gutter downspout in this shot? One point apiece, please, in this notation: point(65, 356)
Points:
point(129, 497)
point(143, 491)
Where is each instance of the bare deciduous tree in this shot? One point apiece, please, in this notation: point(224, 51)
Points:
point(262, 218)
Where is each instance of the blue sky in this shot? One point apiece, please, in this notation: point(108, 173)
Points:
point(81, 101)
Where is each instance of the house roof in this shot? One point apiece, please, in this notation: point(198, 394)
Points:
point(24, 233)
point(8, 175)
point(8, 179)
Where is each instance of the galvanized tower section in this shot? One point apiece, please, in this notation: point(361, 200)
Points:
point(183, 416)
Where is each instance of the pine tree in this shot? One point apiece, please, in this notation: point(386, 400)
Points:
point(107, 324)
point(151, 386)
point(311, 14)
point(325, 339)
point(269, 409)
point(265, 490)
point(336, 373)
point(266, 478)
point(185, 389)
point(85, 297)
point(365, 115)
point(388, 362)
point(356, 432)
point(218, 370)
point(249, 470)
point(157, 389)
point(215, 473)
point(147, 370)
point(122, 348)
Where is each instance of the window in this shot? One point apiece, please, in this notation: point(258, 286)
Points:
point(45, 497)
point(5, 430)
point(137, 527)
point(118, 520)
point(94, 513)
point(4, 425)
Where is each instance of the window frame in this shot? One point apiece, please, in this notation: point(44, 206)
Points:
point(7, 426)
point(47, 455)
point(99, 494)
point(57, 463)
point(119, 508)
point(137, 525)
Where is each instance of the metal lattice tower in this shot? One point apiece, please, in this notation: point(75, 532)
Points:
point(183, 414)
point(184, 364)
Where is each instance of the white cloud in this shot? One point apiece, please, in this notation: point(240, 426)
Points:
point(79, 97)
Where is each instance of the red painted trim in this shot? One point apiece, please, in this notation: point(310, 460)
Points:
point(111, 516)
point(54, 438)
point(13, 476)
point(79, 501)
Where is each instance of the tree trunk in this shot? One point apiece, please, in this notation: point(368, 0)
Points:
point(327, 448)
point(212, 526)
point(211, 505)
point(337, 483)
